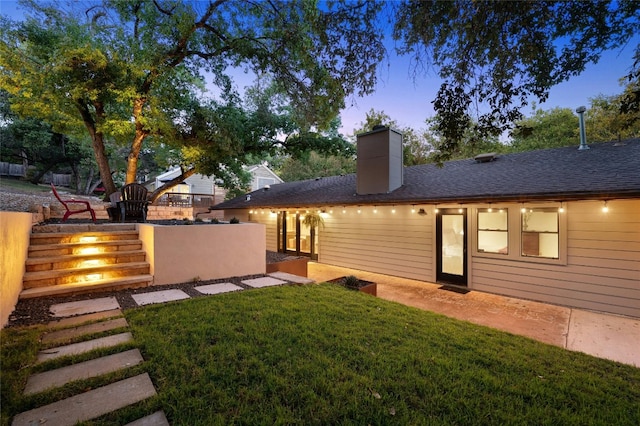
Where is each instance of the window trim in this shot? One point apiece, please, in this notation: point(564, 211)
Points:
point(515, 234)
point(478, 230)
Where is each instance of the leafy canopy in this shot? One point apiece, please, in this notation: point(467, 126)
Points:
point(135, 71)
point(496, 56)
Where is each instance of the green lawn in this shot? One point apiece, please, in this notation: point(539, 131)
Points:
point(24, 185)
point(326, 355)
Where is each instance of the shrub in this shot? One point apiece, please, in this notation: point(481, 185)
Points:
point(351, 281)
point(234, 220)
point(215, 220)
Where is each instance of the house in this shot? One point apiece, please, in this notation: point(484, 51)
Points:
point(200, 187)
point(559, 226)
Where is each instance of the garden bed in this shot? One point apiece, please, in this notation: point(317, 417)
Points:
point(281, 262)
point(354, 283)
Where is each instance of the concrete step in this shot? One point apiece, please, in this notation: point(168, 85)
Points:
point(85, 370)
point(49, 263)
point(83, 347)
point(40, 250)
point(72, 333)
point(84, 227)
point(83, 275)
point(90, 405)
point(80, 237)
point(133, 281)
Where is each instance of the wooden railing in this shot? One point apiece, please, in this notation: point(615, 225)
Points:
point(185, 200)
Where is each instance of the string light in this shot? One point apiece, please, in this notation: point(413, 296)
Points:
point(393, 209)
point(561, 209)
point(375, 209)
point(359, 211)
point(605, 208)
point(413, 208)
point(344, 210)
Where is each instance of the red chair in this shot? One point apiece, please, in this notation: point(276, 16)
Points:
point(69, 212)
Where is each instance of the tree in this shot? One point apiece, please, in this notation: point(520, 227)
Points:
point(606, 119)
point(315, 165)
point(134, 70)
point(495, 56)
point(546, 129)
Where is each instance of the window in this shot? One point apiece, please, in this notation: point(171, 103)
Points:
point(540, 232)
point(493, 231)
point(262, 182)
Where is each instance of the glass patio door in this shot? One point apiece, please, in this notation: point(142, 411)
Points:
point(451, 245)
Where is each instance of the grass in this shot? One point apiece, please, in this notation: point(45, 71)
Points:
point(24, 185)
point(326, 355)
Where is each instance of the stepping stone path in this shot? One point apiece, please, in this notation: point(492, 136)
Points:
point(97, 402)
point(87, 317)
point(263, 282)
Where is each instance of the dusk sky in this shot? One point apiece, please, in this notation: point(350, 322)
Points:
point(408, 102)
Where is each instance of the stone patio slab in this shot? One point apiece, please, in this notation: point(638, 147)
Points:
point(263, 282)
point(82, 347)
point(89, 405)
point(80, 319)
point(84, 307)
point(84, 370)
point(156, 419)
point(291, 277)
point(70, 333)
point(218, 288)
point(159, 297)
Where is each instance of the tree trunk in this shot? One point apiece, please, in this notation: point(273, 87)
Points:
point(168, 185)
point(97, 142)
point(136, 145)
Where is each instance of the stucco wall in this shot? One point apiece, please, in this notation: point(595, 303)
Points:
point(203, 252)
point(15, 229)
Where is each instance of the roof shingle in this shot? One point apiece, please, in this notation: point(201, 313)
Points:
point(606, 171)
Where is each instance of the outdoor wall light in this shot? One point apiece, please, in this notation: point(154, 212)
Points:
point(88, 239)
point(422, 212)
point(92, 277)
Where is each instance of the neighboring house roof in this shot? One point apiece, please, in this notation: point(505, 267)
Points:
point(253, 168)
point(605, 171)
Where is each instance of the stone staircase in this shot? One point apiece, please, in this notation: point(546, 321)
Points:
point(75, 259)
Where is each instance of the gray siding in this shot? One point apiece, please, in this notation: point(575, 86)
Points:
point(398, 244)
point(602, 271)
point(598, 268)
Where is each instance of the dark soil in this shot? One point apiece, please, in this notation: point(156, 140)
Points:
point(343, 282)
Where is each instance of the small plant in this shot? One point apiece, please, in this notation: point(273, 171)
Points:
point(313, 220)
point(199, 220)
point(215, 220)
point(351, 281)
point(234, 220)
point(186, 221)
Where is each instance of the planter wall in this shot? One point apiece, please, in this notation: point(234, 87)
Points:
point(185, 253)
point(294, 266)
point(15, 229)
